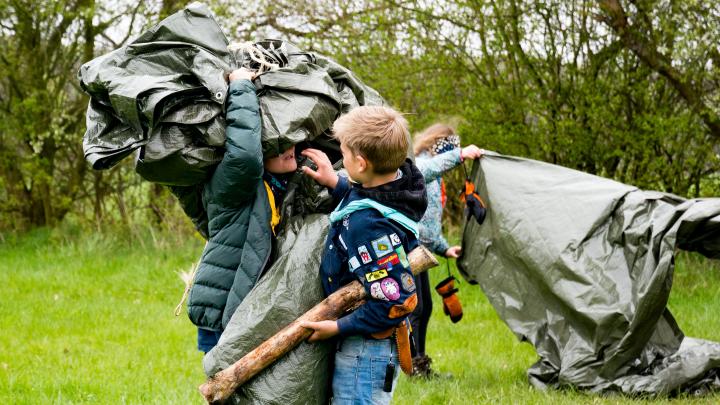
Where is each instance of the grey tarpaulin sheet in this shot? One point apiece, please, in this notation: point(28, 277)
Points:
point(285, 292)
point(163, 96)
point(581, 267)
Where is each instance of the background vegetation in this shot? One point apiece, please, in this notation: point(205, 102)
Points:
point(622, 89)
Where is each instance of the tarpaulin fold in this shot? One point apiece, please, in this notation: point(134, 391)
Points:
point(163, 96)
point(581, 267)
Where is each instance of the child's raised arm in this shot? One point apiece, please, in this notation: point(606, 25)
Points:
point(325, 174)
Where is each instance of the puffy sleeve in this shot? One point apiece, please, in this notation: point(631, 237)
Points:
point(236, 176)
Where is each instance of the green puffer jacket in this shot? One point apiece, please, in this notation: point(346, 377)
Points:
point(236, 201)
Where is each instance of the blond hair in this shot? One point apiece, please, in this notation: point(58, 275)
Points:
point(379, 134)
point(427, 138)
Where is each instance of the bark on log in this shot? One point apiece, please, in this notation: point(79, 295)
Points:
point(219, 387)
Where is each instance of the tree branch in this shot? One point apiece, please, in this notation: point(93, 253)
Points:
point(616, 18)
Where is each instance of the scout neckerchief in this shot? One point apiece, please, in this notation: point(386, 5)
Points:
point(276, 185)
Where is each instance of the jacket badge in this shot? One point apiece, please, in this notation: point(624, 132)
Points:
point(389, 261)
point(364, 254)
point(376, 291)
point(407, 282)
point(376, 275)
point(382, 246)
point(353, 263)
point(390, 288)
point(403, 257)
point(395, 239)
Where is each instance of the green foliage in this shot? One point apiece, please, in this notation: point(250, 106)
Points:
point(550, 80)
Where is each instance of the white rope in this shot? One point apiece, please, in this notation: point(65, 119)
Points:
point(255, 54)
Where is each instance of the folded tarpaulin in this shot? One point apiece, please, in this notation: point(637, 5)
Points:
point(163, 95)
point(581, 267)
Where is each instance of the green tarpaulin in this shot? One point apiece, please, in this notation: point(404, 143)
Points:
point(581, 267)
point(162, 96)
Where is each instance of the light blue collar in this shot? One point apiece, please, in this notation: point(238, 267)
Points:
point(386, 211)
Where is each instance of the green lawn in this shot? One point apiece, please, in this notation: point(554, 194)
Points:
point(89, 319)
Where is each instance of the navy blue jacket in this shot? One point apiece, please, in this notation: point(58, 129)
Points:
point(368, 246)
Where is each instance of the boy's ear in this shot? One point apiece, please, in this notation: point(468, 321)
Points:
point(363, 164)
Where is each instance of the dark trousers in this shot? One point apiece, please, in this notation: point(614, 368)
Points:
point(421, 315)
point(207, 339)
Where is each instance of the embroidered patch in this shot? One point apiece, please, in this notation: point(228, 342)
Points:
point(395, 239)
point(364, 254)
point(389, 261)
point(376, 275)
point(346, 221)
point(407, 282)
point(354, 263)
point(342, 242)
point(382, 246)
point(376, 291)
point(390, 288)
point(403, 257)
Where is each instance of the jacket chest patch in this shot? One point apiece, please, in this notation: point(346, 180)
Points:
point(402, 256)
point(376, 275)
point(388, 262)
point(390, 288)
point(395, 239)
point(353, 263)
point(376, 291)
point(382, 246)
point(407, 282)
point(364, 254)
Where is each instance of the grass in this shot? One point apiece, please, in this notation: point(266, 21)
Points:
point(89, 319)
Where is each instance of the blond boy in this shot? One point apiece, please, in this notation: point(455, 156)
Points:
point(372, 229)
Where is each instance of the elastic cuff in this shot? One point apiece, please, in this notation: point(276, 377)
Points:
point(346, 327)
point(340, 188)
point(242, 85)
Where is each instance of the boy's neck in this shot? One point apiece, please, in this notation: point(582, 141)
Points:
point(379, 179)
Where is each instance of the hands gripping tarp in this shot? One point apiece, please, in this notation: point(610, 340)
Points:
point(581, 267)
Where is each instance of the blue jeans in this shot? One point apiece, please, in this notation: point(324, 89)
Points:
point(360, 367)
point(207, 339)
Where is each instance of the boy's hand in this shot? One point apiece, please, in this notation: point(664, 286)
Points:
point(324, 175)
point(471, 152)
point(242, 73)
point(323, 329)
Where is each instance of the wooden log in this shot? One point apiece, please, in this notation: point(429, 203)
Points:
point(219, 387)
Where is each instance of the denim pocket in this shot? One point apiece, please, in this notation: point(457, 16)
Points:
point(344, 377)
point(378, 369)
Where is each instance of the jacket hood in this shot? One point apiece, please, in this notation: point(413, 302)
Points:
point(406, 194)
